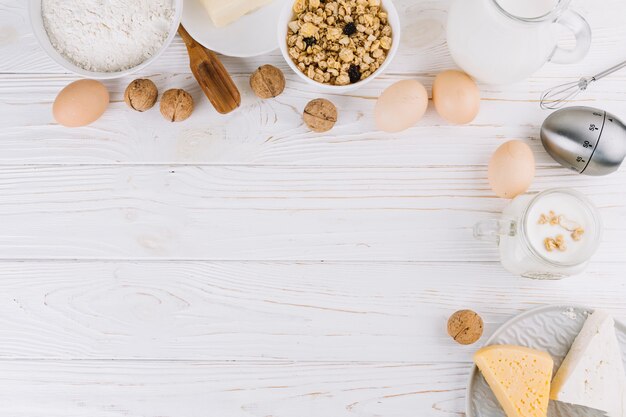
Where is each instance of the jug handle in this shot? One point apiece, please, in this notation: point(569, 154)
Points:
point(582, 32)
point(491, 230)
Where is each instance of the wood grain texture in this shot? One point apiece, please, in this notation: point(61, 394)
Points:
point(423, 46)
point(389, 312)
point(271, 131)
point(243, 266)
point(268, 213)
point(200, 389)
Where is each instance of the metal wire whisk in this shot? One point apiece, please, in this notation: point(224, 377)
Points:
point(558, 96)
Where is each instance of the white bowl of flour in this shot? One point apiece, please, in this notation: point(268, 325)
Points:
point(105, 39)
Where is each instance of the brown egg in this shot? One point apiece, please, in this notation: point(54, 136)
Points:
point(511, 169)
point(400, 106)
point(80, 103)
point(456, 97)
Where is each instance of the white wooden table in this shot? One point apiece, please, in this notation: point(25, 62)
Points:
point(242, 266)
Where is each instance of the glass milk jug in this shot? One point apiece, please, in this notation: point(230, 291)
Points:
point(550, 235)
point(504, 41)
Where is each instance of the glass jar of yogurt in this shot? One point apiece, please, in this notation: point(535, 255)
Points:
point(550, 235)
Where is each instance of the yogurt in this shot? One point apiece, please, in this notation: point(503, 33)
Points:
point(564, 215)
point(534, 224)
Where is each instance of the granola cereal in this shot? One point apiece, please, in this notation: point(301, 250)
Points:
point(338, 42)
point(563, 222)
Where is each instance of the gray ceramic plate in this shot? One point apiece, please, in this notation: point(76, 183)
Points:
point(551, 329)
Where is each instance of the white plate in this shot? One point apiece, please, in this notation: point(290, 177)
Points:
point(551, 329)
point(252, 35)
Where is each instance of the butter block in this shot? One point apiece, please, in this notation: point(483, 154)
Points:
point(519, 378)
point(592, 373)
point(225, 12)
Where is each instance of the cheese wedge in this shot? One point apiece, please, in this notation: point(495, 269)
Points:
point(225, 12)
point(519, 377)
point(592, 373)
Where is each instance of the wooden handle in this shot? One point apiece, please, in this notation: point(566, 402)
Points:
point(211, 75)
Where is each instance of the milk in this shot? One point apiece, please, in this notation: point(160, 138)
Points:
point(495, 48)
point(528, 9)
point(524, 252)
point(572, 214)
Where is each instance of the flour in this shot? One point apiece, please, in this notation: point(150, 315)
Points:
point(107, 35)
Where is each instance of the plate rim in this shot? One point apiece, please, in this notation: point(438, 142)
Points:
point(506, 324)
point(263, 51)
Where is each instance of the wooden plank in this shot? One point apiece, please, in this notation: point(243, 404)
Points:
point(231, 389)
point(270, 131)
point(280, 311)
point(253, 212)
point(267, 213)
point(423, 41)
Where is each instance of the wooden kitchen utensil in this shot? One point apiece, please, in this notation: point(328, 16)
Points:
point(211, 75)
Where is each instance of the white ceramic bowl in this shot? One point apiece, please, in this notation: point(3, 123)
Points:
point(39, 30)
point(394, 21)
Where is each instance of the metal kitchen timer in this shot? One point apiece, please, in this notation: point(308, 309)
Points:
point(588, 140)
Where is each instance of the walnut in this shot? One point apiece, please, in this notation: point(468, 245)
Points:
point(267, 81)
point(549, 243)
point(141, 94)
point(320, 115)
point(554, 219)
point(465, 327)
point(560, 243)
point(557, 243)
point(176, 105)
point(578, 234)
